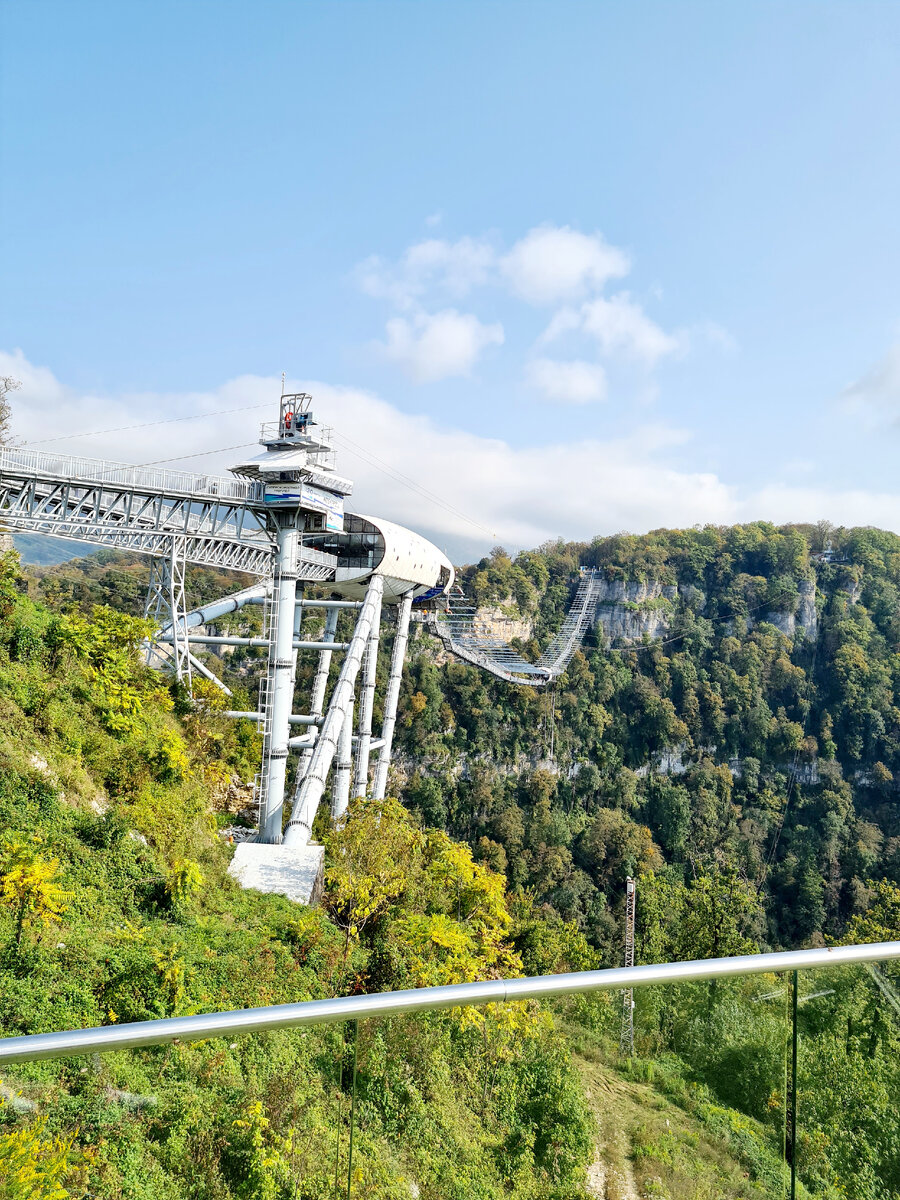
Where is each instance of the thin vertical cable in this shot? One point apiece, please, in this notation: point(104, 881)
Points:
point(353, 1108)
point(794, 1089)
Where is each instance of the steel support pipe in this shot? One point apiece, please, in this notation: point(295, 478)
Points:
point(256, 716)
point(208, 674)
point(366, 705)
point(301, 743)
point(221, 608)
point(385, 1004)
point(209, 639)
point(309, 793)
point(317, 697)
point(398, 655)
point(280, 684)
point(343, 766)
point(338, 605)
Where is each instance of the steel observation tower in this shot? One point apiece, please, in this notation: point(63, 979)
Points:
point(282, 517)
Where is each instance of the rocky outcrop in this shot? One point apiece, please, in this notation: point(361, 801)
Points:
point(802, 622)
point(629, 611)
point(498, 621)
point(853, 590)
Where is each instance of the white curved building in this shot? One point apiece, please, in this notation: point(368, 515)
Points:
point(408, 563)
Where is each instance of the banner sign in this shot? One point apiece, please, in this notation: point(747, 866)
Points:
point(313, 499)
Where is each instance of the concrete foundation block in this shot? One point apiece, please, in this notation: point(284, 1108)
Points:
point(293, 871)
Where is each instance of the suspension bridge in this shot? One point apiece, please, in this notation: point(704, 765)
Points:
point(457, 624)
point(282, 518)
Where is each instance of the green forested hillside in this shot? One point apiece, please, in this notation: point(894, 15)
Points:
point(722, 745)
point(115, 906)
point(740, 761)
point(744, 763)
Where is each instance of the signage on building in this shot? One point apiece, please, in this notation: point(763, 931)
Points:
point(310, 498)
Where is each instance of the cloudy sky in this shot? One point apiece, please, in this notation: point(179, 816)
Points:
point(549, 268)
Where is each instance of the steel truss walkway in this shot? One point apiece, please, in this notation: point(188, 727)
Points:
point(209, 520)
point(459, 630)
point(282, 521)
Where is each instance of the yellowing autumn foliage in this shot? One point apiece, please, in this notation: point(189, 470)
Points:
point(32, 1166)
point(27, 885)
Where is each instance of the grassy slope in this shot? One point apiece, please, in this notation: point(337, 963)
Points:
point(649, 1146)
point(207, 1120)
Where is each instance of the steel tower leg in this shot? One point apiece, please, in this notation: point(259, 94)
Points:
point(279, 685)
point(177, 608)
point(155, 609)
point(340, 795)
point(312, 785)
point(165, 606)
point(317, 699)
point(367, 702)
point(401, 638)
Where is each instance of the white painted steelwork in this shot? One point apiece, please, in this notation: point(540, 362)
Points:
point(387, 1004)
point(280, 671)
point(312, 786)
point(456, 624)
point(283, 520)
point(343, 766)
point(398, 656)
point(366, 705)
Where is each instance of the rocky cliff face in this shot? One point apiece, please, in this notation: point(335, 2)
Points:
point(496, 621)
point(629, 610)
point(804, 622)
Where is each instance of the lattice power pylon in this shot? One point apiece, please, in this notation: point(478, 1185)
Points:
point(282, 519)
point(626, 1040)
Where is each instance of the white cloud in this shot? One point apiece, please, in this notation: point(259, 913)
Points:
point(875, 398)
point(553, 263)
point(433, 346)
point(430, 266)
point(618, 325)
point(850, 506)
point(524, 495)
point(573, 382)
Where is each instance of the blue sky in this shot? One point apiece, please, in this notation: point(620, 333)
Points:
point(571, 267)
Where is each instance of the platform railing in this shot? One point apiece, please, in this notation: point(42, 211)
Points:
point(72, 468)
point(768, 1059)
point(494, 991)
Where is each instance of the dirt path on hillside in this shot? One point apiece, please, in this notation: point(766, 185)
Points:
point(609, 1176)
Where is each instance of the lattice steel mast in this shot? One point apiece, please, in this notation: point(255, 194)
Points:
point(626, 1040)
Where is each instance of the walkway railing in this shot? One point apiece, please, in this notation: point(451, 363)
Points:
point(74, 469)
point(383, 1004)
point(461, 631)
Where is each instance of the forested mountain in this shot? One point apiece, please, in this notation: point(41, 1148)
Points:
point(755, 735)
point(729, 734)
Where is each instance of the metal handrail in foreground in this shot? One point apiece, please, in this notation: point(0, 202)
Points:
point(383, 1004)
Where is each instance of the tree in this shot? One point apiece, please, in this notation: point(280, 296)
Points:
point(7, 385)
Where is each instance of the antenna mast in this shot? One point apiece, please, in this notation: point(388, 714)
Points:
point(626, 1040)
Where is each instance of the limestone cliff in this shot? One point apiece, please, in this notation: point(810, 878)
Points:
point(502, 621)
point(628, 611)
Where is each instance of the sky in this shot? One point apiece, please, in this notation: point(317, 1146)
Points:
point(550, 269)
